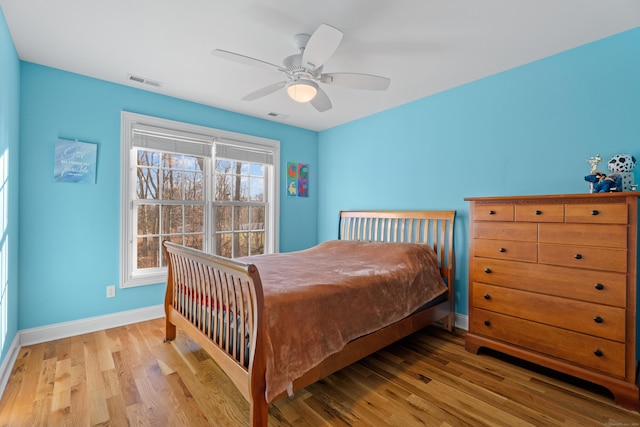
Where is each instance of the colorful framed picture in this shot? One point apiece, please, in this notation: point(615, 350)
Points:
point(292, 179)
point(303, 180)
point(297, 179)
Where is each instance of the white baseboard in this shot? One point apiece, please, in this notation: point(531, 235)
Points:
point(91, 324)
point(461, 321)
point(8, 362)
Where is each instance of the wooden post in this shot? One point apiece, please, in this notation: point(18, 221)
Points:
point(170, 328)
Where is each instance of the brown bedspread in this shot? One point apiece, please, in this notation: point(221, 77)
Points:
point(319, 299)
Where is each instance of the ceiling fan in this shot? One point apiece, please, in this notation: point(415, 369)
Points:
point(304, 70)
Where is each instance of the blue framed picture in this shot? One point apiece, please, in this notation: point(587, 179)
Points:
point(75, 162)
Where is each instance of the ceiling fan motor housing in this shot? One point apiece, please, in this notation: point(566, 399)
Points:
point(293, 64)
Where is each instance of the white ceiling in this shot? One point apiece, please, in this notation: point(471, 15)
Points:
point(423, 46)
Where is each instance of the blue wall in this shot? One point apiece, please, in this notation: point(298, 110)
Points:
point(9, 126)
point(70, 233)
point(528, 130)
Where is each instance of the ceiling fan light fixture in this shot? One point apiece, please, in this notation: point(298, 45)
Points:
point(302, 90)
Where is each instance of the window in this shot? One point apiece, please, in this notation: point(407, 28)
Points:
point(204, 188)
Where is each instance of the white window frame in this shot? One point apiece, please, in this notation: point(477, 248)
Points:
point(130, 277)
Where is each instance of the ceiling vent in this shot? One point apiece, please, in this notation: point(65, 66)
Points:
point(278, 115)
point(145, 81)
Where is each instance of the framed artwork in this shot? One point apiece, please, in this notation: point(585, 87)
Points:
point(75, 162)
point(297, 179)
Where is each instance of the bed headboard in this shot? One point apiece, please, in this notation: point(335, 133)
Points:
point(434, 228)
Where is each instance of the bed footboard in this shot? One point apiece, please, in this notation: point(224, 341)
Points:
point(218, 302)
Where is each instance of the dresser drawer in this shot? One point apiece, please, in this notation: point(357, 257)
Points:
point(560, 343)
point(601, 287)
point(595, 213)
point(524, 232)
point(608, 236)
point(540, 213)
point(493, 212)
point(506, 249)
point(586, 317)
point(606, 259)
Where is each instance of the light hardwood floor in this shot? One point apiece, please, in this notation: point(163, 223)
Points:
point(128, 376)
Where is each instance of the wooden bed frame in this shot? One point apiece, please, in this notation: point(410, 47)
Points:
point(237, 286)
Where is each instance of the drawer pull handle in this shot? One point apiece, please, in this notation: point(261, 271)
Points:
point(594, 212)
point(599, 286)
point(502, 250)
point(538, 212)
point(492, 212)
point(597, 319)
point(487, 296)
point(487, 323)
point(578, 256)
point(598, 352)
point(487, 270)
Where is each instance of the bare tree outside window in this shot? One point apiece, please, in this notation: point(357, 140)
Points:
point(170, 201)
point(240, 208)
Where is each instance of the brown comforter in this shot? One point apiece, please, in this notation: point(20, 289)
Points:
point(319, 299)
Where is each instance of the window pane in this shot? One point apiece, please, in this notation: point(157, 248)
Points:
point(148, 220)
point(243, 194)
point(148, 158)
point(147, 183)
point(171, 161)
point(257, 170)
point(194, 241)
point(173, 239)
point(223, 166)
point(256, 189)
point(194, 219)
point(223, 244)
point(193, 163)
point(171, 219)
point(224, 187)
point(257, 243)
point(243, 168)
point(178, 240)
point(257, 217)
point(241, 245)
point(241, 218)
point(148, 252)
point(224, 220)
point(172, 185)
point(193, 186)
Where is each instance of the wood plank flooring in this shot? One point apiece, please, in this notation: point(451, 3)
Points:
point(127, 376)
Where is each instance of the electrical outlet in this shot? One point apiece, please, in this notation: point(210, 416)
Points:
point(111, 291)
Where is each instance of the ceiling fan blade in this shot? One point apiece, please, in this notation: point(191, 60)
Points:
point(323, 43)
point(246, 60)
point(264, 91)
point(356, 81)
point(321, 101)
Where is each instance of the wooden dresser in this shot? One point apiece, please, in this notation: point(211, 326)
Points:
point(552, 280)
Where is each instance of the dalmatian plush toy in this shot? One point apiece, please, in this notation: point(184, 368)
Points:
point(623, 164)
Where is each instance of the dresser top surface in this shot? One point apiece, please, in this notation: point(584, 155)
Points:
point(581, 196)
